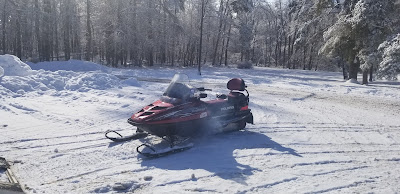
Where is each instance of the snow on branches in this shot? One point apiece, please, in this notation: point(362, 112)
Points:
point(389, 68)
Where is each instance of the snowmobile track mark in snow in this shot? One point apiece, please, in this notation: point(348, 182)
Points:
point(338, 188)
point(270, 184)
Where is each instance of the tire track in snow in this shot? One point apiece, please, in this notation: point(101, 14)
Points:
point(254, 189)
point(371, 152)
point(67, 136)
point(354, 184)
point(338, 170)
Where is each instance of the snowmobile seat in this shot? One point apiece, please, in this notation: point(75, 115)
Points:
point(236, 97)
point(217, 104)
point(236, 85)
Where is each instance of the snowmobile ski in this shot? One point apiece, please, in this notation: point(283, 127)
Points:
point(12, 185)
point(162, 153)
point(121, 138)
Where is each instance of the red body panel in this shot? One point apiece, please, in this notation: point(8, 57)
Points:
point(164, 113)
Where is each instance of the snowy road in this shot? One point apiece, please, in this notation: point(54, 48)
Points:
point(306, 139)
point(340, 140)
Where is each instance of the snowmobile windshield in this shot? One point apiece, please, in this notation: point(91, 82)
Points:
point(179, 88)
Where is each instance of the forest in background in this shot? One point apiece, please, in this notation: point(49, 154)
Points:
point(347, 35)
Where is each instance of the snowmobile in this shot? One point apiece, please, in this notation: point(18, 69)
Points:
point(181, 113)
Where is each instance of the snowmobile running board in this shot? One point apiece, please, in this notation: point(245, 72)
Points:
point(126, 138)
point(12, 186)
point(156, 154)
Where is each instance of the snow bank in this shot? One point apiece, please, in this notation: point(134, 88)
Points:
point(17, 77)
point(131, 82)
point(71, 65)
point(63, 80)
point(12, 66)
point(352, 81)
point(99, 81)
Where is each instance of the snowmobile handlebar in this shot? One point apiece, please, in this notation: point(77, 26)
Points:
point(202, 89)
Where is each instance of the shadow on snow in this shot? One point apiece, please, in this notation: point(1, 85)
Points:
point(215, 154)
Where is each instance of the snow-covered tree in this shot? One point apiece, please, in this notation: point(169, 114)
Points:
point(389, 68)
point(361, 27)
point(309, 19)
point(243, 9)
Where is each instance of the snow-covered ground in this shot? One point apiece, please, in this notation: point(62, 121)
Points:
point(313, 132)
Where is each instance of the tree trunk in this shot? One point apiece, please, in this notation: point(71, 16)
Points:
point(18, 46)
point(150, 49)
point(310, 61)
point(221, 15)
point(46, 26)
point(371, 72)
point(67, 29)
point(4, 19)
point(227, 44)
point(365, 77)
point(304, 56)
point(201, 35)
point(354, 65)
point(284, 54)
point(345, 76)
point(88, 53)
point(37, 30)
point(55, 24)
point(289, 49)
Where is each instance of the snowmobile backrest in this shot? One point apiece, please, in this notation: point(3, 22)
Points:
point(236, 84)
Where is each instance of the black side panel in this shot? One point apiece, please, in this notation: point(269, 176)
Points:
point(183, 129)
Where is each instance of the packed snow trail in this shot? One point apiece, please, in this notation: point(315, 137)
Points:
point(313, 133)
point(308, 145)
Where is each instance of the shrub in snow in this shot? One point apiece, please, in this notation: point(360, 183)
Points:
point(389, 68)
point(245, 65)
point(13, 66)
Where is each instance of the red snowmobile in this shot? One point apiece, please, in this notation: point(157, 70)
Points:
point(181, 114)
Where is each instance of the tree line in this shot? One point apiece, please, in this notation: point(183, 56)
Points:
point(295, 34)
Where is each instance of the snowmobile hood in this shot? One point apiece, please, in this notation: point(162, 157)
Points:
point(151, 109)
point(163, 112)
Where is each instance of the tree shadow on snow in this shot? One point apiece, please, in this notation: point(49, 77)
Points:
point(215, 154)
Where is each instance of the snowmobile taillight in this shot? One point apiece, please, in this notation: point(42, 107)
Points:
point(245, 108)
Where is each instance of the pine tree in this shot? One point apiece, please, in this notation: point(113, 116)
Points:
point(389, 68)
point(361, 26)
